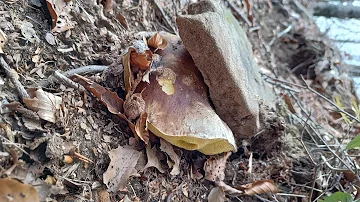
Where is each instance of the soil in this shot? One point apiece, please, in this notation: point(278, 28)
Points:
point(86, 127)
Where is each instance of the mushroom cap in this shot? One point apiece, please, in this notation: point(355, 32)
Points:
point(178, 105)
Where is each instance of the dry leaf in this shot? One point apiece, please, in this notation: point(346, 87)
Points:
point(168, 148)
point(122, 165)
point(3, 39)
point(228, 189)
point(141, 60)
point(249, 5)
point(43, 103)
point(28, 32)
point(50, 38)
point(12, 190)
point(140, 128)
point(128, 75)
point(350, 177)
point(110, 99)
point(184, 105)
point(259, 187)
point(214, 167)
point(108, 5)
point(157, 41)
point(122, 21)
point(216, 195)
point(288, 103)
point(59, 11)
point(153, 160)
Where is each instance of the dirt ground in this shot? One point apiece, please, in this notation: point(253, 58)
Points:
point(286, 44)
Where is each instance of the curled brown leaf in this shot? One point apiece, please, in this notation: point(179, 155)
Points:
point(128, 75)
point(259, 187)
point(141, 60)
point(110, 99)
point(157, 41)
point(140, 128)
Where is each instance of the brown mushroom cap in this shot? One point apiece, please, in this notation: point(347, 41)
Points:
point(178, 104)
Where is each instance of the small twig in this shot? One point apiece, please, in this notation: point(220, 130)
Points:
point(294, 195)
point(285, 87)
point(313, 183)
point(81, 70)
point(14, 144)
point(331, 167)
point(261, 198)
point(250, 163)
point(85, 70)
point(302, 141)
point(11, 73)
point(284, 82)
point(19, 108)
point(280, 34)
point(83, 158)
point(132, 188)
point(68, 82)
point(301, 185)
point(329, 101)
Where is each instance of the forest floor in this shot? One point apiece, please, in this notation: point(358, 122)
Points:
point(301, 65)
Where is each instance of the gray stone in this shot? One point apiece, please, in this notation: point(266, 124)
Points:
point(224, 56)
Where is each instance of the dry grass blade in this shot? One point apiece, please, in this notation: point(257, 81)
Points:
point(259, 187)
point(110, 99)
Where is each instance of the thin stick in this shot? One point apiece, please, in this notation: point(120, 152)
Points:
point(280, 34)
point(81, 70)
point(301, 185)
point(81, 157)
point(68, 82)
point(19, 108)
point(329, 101)
point(302, 141)
point(313, 183)
point(11, 73)
point(85, 70)
point(294, 195)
